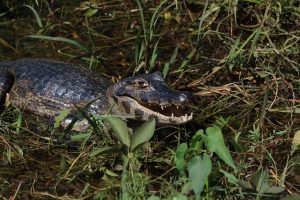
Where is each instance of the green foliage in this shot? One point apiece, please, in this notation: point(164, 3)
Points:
point(199, 168)
point(260, 181)
point(18, 122)
point(128, 146)
point(37, 17)
point(143, 134)
point(214, 142)
point(171, 62)
point(180, 158)
point(90, 12)
point(196, 141)
point(229, 45)
point(120, 130)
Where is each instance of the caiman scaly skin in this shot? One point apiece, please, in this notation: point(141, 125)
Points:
point(45, 87)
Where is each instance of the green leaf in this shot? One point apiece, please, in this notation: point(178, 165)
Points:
point(199, 169)
point(179, 197)
point(179, 158)
point(291, 197)
point(260, 180)
point(62, 164)
point(143, 134)
point(215, 143)
point(18, 122)
point(111, 173)
point(153, 198)
point(230, 177)
point(37, 17)
point(120, 129)
point(80, 137)
point(107, 150)
point(245, 185)
point(171, 62)
point(196, 141)
point(166, 69)
point(62, 115)
point(153, 57)
point(90, 12)
point(275, 190)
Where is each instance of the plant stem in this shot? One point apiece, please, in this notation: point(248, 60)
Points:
point(124, 177)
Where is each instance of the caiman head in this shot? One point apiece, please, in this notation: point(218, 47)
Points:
point(148, 96)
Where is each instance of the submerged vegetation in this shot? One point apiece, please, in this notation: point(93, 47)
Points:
point(240, 58)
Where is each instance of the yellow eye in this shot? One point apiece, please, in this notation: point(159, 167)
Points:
point(140, 83)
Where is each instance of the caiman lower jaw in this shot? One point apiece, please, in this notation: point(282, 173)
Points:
point(163, 113)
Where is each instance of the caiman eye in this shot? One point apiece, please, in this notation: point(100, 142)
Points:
point(139, 84)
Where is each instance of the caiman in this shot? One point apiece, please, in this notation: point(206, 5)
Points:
point(45, 87)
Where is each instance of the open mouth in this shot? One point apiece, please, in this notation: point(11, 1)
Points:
point(164, 113)
point(170, 110)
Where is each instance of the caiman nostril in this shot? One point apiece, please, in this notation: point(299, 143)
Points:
point(186, 97)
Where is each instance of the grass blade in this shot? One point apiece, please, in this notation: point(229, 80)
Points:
point(37, 17)
point(61, 39)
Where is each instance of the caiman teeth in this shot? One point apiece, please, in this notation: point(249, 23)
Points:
point(165, 113)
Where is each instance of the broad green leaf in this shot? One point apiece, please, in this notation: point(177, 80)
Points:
point(275, 190)
point(260, 180)
point(199, 168)
point(143, 134)
point(120, 129)
point(215, 143)
point(179, 158)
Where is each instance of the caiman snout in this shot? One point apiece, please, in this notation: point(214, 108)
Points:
point(148, 96)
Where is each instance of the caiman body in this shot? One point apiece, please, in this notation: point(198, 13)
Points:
point(45, 87)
